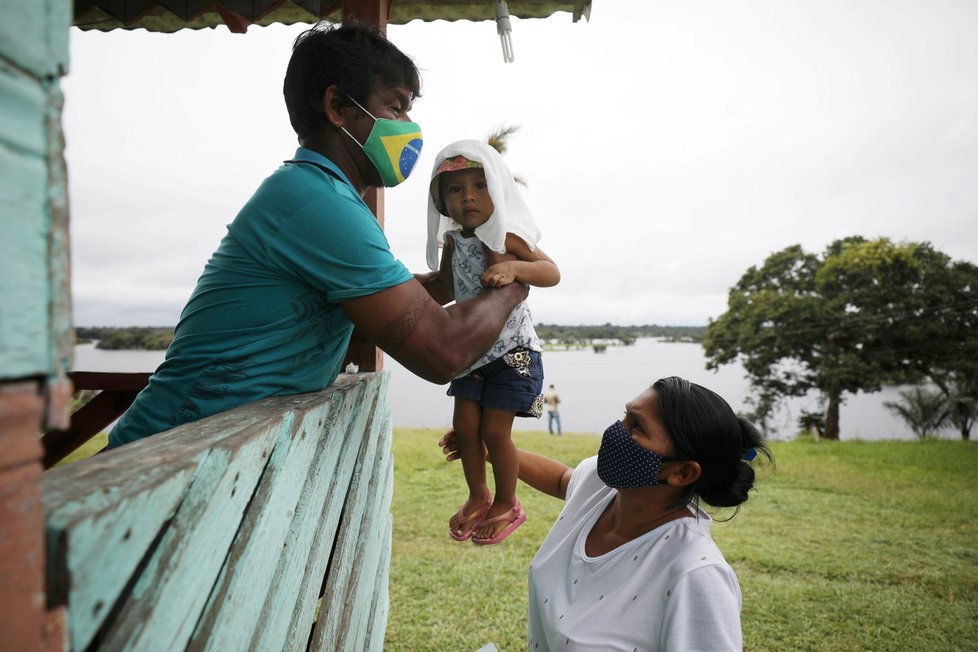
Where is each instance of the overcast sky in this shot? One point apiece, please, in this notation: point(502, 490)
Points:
point(667, 145)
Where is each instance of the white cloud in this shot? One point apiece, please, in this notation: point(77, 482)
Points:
point(667, 146)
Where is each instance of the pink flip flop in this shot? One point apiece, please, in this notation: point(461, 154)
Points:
point(516, 518)
point(475, 519)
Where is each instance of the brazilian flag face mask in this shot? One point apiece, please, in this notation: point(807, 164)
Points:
point(392, 146)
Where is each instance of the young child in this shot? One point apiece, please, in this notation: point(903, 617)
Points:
point(473, 201)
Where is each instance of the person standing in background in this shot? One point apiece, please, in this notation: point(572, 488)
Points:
point(552, 398)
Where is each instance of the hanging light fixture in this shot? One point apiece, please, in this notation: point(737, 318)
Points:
point(504, 29)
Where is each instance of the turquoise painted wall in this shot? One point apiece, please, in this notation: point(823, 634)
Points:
point(35, 320)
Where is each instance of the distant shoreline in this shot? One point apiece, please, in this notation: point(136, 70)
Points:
point(555, 336)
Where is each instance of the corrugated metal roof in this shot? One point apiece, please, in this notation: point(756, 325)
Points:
point(174, 15)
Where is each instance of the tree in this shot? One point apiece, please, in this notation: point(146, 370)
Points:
point(955, 369)
point(764, 327)
point(498, 139)
point(813, 422)
point(924, 411)
point(863, 314)
point(962, 405)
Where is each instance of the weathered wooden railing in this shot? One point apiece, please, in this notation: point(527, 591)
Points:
point(266, 527)
point(116, 392)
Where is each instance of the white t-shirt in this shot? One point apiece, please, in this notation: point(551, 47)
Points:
point(669, 589)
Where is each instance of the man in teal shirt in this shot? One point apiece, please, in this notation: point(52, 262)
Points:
point(305, 260)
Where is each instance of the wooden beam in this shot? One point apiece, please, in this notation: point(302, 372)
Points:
point(117, 392)
point(110, 380)
point(371, 12)
point(88, 421)
point(362, 352)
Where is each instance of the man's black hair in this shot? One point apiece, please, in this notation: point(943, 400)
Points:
point(353, 57)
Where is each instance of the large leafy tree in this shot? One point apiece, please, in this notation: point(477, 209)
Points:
point(861, 314)
point(770, 315)
point(950, 358)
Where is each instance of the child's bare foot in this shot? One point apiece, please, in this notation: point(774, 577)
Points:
point(500, 521)
point(468, 517)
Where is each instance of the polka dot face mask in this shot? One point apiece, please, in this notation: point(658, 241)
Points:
point(623, 464)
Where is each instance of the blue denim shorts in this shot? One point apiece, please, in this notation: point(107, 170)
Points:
point(513, 382)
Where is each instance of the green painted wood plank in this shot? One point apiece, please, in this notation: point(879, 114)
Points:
point(101, 515)
point(23, 105)
point(123, 489)
point(107, 492)
point(372, 532)
point(296, 633)
point(257, 588)
point(99, 551)
point(34, 35)
point(171, 592)
point(380, 610)
point(301, 567)
point(23, 263)
point(332, 629)
point(234, 607)
point(372, 543)
point(329, 626)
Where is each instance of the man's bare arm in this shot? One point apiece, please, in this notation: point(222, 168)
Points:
point(440, 283)
point(432, 342)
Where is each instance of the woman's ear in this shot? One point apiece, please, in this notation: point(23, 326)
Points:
point(332, 106)
point(682, 473)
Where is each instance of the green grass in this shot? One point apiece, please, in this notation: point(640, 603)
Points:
point(89, 448)
point(845, 546)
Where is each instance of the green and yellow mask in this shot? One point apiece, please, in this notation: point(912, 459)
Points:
point(393, 147)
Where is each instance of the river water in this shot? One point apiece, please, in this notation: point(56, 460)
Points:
point(593, 387)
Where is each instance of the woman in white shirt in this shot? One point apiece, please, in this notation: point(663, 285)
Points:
point(630, 563)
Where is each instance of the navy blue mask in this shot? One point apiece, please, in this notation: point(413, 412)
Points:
point(623, 464)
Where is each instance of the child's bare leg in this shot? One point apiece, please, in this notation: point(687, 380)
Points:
point(466, 421)
point(497, 433)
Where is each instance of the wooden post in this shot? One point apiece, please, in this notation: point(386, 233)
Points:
point(362, 352)
point(371, 12)
point(24, 620)
point(35, 304)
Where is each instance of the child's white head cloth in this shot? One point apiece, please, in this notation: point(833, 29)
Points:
point(510, 213)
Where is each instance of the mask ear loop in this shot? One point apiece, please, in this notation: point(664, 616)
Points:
point(359, 106)
point(352, 138)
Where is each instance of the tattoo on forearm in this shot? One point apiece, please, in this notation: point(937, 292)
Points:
point(400, 329)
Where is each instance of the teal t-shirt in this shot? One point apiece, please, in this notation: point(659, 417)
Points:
point(265, 317)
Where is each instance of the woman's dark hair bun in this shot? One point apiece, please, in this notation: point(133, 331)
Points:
point(704, 428)
point(733, 492)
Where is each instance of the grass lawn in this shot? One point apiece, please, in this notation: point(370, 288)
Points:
point(845, 546)
point(89, 448)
